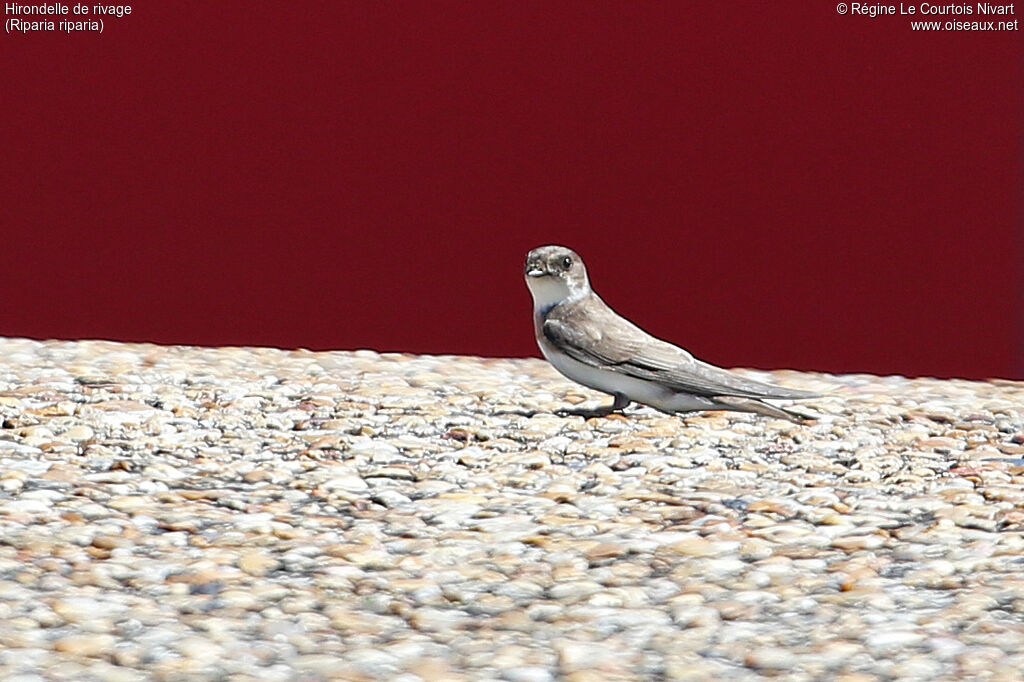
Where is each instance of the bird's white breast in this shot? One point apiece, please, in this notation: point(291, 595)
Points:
point(547, 291)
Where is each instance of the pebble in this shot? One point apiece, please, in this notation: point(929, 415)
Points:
point(80, 433)
point(771, 658)
point(252, 513)
point(437, 620)
point(257, 563)
point(84, 645)
point(887, 640)
point(527, 674)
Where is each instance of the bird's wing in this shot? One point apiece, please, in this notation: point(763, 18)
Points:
point(592, 333)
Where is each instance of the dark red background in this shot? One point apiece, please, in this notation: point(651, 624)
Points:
point(768, 184)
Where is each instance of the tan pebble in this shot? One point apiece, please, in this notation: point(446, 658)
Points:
point(567, 572)
point(853, 578)
point(80, 433)
point(35, 434)
point(630, 444)
point(437, 620)
point(163, 472)
point(97, 552)
point(651, 497)
point(212, 495)
point(531, 460)
point(280, 507)
point(12, 483)
point(588, 676)
point(473, 458)
point(1010, 519)
point(610, 424)
point(110, 542)
point(290, 533)
point(373, 559)
point(198, 648)
point(257, 563)
point(198, 578)
point(574, 656)
point(435, 670)
point(699, 547)
point(690, 669)
point(341, 551)
point(63, 473)
point(514, 620)
point(257, 476)
point(604, 551)
point(678, 514)
point(941, 444)
point(64, 408)
point(770, 658)
point(127, 656)
point(26, 578)
point(349, 621)
point(326, 443)
point(128, 503)
point(755, 549)
point(765, 507)
point(394, 472)
point(542, 541)
point(69, 611)
point(856, 542)
point(85, 645)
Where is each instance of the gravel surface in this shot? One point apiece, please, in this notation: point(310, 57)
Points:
point(178, 513)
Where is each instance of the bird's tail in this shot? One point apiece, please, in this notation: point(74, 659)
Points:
point(761, 407)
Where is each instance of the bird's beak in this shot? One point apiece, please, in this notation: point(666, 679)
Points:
point(534, 272)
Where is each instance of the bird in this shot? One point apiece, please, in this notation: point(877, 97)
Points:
point(591, 344)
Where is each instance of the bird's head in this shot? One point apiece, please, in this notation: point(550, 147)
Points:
point(554, 274)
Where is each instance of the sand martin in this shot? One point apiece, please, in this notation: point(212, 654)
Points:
point(593, 345)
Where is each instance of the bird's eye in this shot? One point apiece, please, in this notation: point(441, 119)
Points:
point(566, 263)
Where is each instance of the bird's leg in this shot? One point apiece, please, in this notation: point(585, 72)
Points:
point(619, 403)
